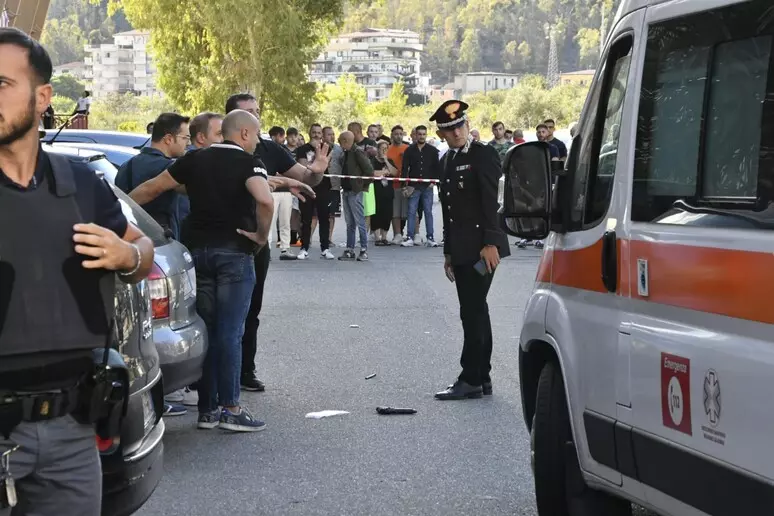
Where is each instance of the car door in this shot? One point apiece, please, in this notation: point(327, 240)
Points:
point(584, 312)
point(702, 254)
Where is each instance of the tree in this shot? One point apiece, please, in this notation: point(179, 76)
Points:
point(64, 40)
point(343, 102)
point(588, 40)
point(470, 55)
point(206, 50)
point(67, 86)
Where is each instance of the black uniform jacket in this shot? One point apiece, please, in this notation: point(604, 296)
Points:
point(469, 185)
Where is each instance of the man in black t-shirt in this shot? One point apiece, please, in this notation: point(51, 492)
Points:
point(559, 144)
point(231, 209)
point(278, 162)
point(318, 207)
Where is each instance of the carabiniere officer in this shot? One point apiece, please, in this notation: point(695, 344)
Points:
point(63, 236)
point(470, 172)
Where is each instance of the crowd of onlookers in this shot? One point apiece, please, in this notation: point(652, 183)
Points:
point(387, 204)
point(378, 182)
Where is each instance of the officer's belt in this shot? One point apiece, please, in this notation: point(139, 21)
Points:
point(38, 406)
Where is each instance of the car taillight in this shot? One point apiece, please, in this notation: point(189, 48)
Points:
point(107, 446)
point(159, 292)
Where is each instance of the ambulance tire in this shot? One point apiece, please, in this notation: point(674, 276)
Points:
point(559, 486)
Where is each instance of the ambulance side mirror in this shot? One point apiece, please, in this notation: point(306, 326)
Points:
point(526, 201)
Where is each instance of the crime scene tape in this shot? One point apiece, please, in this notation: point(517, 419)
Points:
point(388, 178)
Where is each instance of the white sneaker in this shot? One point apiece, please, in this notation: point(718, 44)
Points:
point(407, 243)
point(327, 255)
point(175, 397)
point(417, 239)
point(431, 243)
point(190, 397)
point(302, 255)
point(397, 240)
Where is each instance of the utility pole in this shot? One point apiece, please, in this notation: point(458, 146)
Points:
point(553, 59)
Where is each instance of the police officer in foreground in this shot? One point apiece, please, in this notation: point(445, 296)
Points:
point(63, 236)
point(473, 242)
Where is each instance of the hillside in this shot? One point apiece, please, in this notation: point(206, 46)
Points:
point(494, 35)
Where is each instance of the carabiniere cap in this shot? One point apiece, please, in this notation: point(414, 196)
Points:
point(451, 114)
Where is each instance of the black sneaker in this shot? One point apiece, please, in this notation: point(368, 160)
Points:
point(347, 255)
point(362, 257)
point(252, 383)
point(241, 422)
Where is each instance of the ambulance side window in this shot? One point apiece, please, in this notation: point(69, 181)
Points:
point(705, 116)
point(595, 171)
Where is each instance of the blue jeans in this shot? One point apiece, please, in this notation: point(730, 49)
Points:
point(426, 198)
point(354, 215)
point(224, 284)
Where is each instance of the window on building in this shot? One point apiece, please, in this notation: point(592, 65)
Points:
point(496, 85)
point(706, 120)
point(512, 82)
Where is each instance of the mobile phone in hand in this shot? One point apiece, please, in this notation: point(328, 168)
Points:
point(480, 267)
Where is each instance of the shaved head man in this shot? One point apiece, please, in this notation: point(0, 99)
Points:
point(346, 140)
point(242, 128)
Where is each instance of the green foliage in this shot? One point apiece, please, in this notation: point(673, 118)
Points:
point(115, 112)
point(522, 107)
point(342, 102)
point(206, 50)
point(67, 86)
point(131, 126)
point(72, 24)
point(64, 40)
point(62, 105)
point(494, 35)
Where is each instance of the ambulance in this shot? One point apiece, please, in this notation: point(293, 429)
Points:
point(646, 356)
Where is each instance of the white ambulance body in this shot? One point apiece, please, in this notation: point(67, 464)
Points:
point(647, 351)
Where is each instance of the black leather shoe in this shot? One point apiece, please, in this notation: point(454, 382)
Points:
point(252, 383)
point(459, 391)
point(486, 388)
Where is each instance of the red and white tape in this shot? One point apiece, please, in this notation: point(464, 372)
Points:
point(388, 178)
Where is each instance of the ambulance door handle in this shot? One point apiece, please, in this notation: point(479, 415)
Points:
point(610, 261)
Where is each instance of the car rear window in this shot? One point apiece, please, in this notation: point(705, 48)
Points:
point(141, 219)
point(109, 171)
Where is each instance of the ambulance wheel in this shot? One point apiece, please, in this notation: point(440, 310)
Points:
point(559, 486)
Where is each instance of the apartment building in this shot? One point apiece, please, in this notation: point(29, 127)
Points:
point(77, 69)
point(378, 58)
point(125, 66)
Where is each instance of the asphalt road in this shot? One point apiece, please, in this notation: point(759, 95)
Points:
point(465, 457)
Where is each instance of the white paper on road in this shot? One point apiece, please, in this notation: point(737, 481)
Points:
point(326, 413)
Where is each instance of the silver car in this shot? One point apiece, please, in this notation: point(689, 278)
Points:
point(179, 333)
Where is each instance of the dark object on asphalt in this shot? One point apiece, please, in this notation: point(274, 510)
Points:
point(385, 411)
point(370, 376)
point(459, 391)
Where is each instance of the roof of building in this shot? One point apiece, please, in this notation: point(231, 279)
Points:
point(500, 74)
point(134, 32)
point(580, 72)
point(74, 64)
point(375, 31)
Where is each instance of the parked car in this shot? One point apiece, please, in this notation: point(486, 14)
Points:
point(133, 140)
point(179, 332)
point(133, 464)
point(117, 155)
